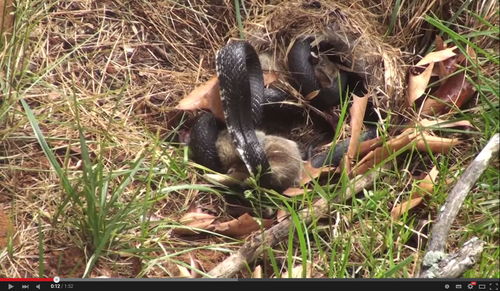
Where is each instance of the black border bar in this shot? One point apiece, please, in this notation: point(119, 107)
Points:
point(474, 284)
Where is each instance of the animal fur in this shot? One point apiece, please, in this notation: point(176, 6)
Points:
point(283, 156)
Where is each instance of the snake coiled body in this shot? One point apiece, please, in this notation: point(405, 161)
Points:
point(241, 151)
point(202, 139)
point(242, 93)
point(302, 71)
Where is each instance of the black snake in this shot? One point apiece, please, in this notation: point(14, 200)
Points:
point(243, 95)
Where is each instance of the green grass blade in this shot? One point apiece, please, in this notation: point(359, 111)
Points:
point(239, 21)
point(48, 152)
point(397, 267)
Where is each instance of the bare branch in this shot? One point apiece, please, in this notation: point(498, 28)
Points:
point(439, 233)
point(454, 265)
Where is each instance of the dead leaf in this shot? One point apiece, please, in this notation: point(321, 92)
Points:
point(453, 93)
point(243, 225)
point(6, 229)
point(441, 123)
point(381, 153)
point(195, 220)
point(368, 145)
point(292, 192)
point(420, 74)
point(310, 173)
point(417, 82)
point(207, 96)
point(427, 184)
point(435, 144)
point(357, 112)
point(403, 207)
point(424, 187)
point(437, 56)
point(422, 140)
point(282, 215)
point(439, 43)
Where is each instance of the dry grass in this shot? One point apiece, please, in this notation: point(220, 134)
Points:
point(127, 63)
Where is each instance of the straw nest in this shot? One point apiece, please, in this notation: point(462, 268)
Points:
point(354, 33)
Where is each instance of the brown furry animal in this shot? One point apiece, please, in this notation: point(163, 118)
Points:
point(283, 156)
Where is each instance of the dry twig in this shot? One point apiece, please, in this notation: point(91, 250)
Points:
point(436, 263)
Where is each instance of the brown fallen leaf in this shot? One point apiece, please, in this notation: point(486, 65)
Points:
point(405, 206)
point(197, 220)
point(424, 187)
point(453, 93)
point(357, 114)
point(445, 67)
point(435, 144)
point(243, 225)
point(441, 123)
point(6, 229)
point(419, 77)
point(437, 56)
point(282, 215)
point(381, 153)
point(422, 140)
point(439, 43)
point(455, 90)
point(427, 184)
point(207, 96)
point(310, 173)
point(420, 74)
point(292, 192)
point(368, 145)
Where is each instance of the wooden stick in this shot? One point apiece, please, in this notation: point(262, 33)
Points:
point(439, 233)
point(260, 242)
point(454, 265)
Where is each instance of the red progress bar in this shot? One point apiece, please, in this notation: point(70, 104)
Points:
point(26, 280)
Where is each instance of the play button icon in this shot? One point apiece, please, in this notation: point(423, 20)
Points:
point(10, 287)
